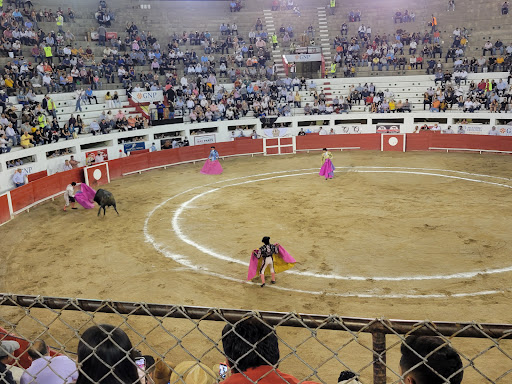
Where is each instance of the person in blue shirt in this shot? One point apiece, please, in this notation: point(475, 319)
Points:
point(160, 110)
point(89, 95)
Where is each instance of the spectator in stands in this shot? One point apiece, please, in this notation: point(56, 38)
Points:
point(26, 140)
point(4, 144)
point(7, 349)
point(105, 354)
point(252, 352)
point(46, 369)
point(504, 8)
point(94, 127)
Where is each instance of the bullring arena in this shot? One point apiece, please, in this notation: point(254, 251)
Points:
point(410, 237)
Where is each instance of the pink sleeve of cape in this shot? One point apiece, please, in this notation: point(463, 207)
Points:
point(86, 196)
point(253, 267)
point(285, 255)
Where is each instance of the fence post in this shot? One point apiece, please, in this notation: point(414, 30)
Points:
point(379, 357)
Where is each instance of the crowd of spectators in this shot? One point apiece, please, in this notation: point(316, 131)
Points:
point(486, 95)
point(105, 354)
point(62, 65)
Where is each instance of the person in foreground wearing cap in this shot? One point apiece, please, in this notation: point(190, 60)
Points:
point(7, 349)
point(46, 369)
point(264, 257)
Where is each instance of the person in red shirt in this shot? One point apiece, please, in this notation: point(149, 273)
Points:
point(252, 354)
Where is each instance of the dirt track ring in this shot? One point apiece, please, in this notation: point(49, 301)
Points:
point(219, 185)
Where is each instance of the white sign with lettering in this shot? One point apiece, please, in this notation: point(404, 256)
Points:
point(147, 96)
point(204, 139)
point(303, 57)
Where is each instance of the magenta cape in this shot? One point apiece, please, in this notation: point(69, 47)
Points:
point(327, 169)
point(85, 197)
point(283, 262)
point(211, 168)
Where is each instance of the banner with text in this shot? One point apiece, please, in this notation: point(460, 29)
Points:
point(134, 146)
point(504, 130)
point(303, 57)
point(388, 128)
point(147, 96)
point(475, 129)
point(204, 139)
point(351, 129)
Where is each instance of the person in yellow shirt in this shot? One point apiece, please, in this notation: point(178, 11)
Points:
point(60, 23)
point(499, 62)
point(48, 53)
point(332, 6)
point(26, 140)
point(392, 106)
point(9, 83)
point(297, 99)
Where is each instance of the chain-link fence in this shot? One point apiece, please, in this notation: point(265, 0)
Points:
point(153, 343)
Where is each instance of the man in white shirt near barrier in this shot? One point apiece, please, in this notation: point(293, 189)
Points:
point(494, 131)
point(69, 196)
point(19, 177)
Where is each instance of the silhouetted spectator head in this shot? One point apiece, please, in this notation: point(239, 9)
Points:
point(105, 355)
point(429, 360)
point(38, 349)
point(250, 343)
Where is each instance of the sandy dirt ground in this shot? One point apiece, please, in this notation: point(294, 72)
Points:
point(373, 242)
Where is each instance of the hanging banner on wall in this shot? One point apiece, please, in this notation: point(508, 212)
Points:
point(204, 139)
point(351, 129)
point(147, 96)
point(475, 129)
point(388, 128)
point(95, 157)
point(303, 57)
point(275, 132)
point(134, 146)
point(504, 130)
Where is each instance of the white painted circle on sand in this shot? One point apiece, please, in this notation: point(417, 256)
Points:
point(96, 174)
point(393, 141)
point(189, 264)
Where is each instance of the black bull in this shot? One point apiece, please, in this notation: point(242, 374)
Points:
point(105, 199)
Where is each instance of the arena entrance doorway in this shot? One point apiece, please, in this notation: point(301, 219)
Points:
point(308, 62)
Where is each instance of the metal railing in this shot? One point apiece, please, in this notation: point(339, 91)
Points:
point(364, 346)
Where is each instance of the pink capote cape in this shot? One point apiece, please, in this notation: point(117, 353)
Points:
point(282, 263)
point(85, 197)
point(327, 169)
point(212, 168)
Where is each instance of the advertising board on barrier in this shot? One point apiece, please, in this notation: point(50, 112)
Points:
point(96, 157)
point(350, 129)
point(504, 130)
point(388, 128)
point(475, 129)
point(204, 139)
point(275, 132)
point(134, 147)
point(147, 96)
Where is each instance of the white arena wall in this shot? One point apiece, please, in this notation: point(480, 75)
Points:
point(221, 131)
